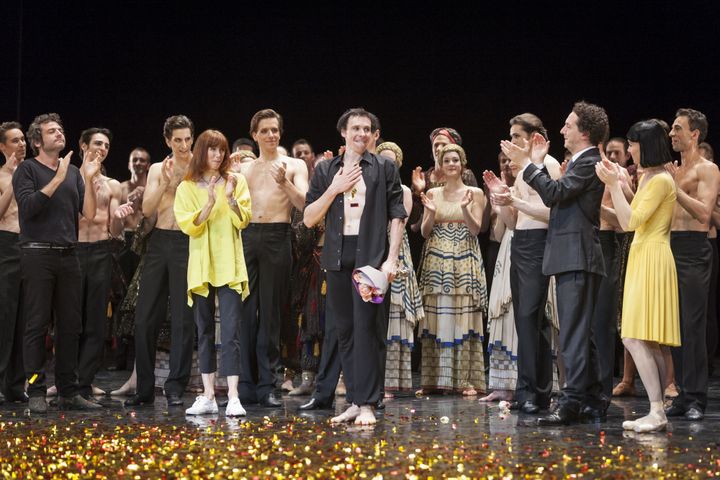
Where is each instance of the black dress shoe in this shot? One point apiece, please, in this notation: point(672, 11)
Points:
point(514, 405)
point(174, 400)
point(270, 401)
point(17, 397)
point(529, 407)
point(591, 414)
point(313, 404)
point(380, 405)
point(139, 401)
point(561, 416)
point(694, 414)
point(675, 411)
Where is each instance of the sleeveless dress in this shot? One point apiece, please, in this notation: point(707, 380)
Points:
point(406, 310)
point(650, 306)
point(454, 291)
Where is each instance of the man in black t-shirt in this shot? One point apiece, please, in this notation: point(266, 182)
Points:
point(50, 193)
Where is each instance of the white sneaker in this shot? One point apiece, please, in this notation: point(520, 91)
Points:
point(202, 406)
point(234, 408)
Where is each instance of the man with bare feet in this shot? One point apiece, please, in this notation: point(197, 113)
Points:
point(12, 375)
point(697, 181)
point(277, 183)
point(528, 216)
point(357, 193)
point(165, 274)
point(51, 194)
point(95, 255)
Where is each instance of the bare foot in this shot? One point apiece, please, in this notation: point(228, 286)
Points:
point(498, 395)
point(388, 396)
point(287, 385)
point(629, 425)
point(97, 391)
point(671, 391)
point(366, 417)
point(127, 389)
point(348, 415)
point(469, 392)
point(51, 391)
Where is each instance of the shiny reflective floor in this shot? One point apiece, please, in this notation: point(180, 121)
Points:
point(436, 436)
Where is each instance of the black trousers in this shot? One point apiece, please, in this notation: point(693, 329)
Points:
point(529, 289)
point(12, 326)
point(51, 287)
point(268, 259)
point(693, 262)
point(712, 321)
point(577, 298)
point(330, 366)
point(164, 275)
point(357, 330)
point(230, 303)
point(604, 324)
point(95, 267)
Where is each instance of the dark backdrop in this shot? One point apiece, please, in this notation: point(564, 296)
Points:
point(470, 65)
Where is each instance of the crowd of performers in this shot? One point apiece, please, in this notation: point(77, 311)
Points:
point(523, 284)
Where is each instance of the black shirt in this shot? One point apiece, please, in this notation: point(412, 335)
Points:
point(42, 218)
point(383, 202)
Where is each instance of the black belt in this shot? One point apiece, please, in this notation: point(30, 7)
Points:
point(47, 246)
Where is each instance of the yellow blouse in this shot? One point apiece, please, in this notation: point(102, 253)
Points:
point(216, 253)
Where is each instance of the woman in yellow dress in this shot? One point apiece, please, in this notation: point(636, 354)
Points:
point(650, 302)
point(212, 205)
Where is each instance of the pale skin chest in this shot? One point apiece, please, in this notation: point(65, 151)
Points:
point(353, 206)
point(687, 180)
point(270, 204)
point(97, 229)
point(9, 221)
point(165, 212)
point(527, 194)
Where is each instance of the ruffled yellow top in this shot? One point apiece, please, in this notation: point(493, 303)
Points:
point(216, 252)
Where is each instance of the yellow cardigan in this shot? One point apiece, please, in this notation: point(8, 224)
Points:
point(216, 252)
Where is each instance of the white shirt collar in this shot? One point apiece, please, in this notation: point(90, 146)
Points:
point(575, 157)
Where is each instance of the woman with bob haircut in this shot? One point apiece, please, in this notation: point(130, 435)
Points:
point(212, 205)
point(650, 300)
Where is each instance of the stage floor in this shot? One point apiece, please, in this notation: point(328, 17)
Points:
point(437, 436)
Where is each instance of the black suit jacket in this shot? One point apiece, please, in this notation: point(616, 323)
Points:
point(573, 241)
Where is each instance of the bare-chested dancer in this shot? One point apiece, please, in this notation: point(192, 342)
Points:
point(528, 216)
point(697, 181)
point(165, 274)
point(12, 376)
point(95, 255)
point(277, 183)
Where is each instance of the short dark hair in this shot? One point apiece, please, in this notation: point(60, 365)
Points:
point(5, 127)
point(262, 115)
point(87, 134)
point(34, 133)
point(358, 112)
point(301, 141)
point(708, 148)
point(242, 141)
point(143, 150)
point(622, 140)
point(177, 122)
point(654, 143)
point(529, 122)
point(593, 121)
point(696, 119)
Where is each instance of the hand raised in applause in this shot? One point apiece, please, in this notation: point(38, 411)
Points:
point(230, 188)
point(418, 180)
point(91, 165)
point(211, 191)
point(168, 171)
point(278, 171)
point(607, 172)
point(467, 199)
point(62, 169)
point(124, 210)
point(428, 203)
point(539, 148)
point(518, 155)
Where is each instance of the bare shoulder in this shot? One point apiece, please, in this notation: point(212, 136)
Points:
point(707, 169)
point(247, 167)
point(550, 161)
point(432, 192)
